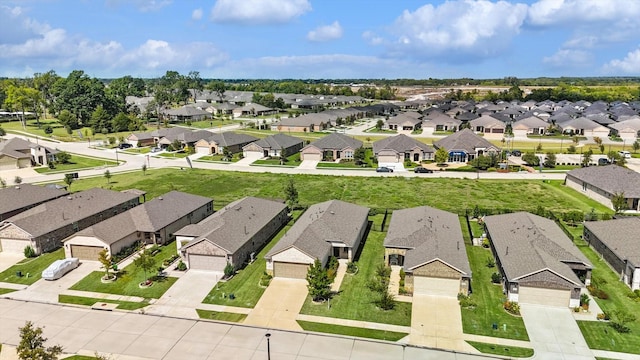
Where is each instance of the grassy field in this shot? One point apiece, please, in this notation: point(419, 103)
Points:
point(77, 162)
point(221, 316)
point(355, 300)
point(130, 277)
point(600, 335)
point(33, 267)
point(59, 132)
point(87, 301)
point(351, 331)
point(510, 351)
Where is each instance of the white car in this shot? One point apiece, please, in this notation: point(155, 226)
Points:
point(58, 268)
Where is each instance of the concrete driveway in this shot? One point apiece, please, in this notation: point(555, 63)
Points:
point(8, 259)
point(308, 164)
point(436, 322)
point(554, 333)
point(248, 160)
point(279, 305)
point(186, 294)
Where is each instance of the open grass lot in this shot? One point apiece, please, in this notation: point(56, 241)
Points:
point(87, 301)
point(59, 132)
point(244, 285)
point(510, 351)
point(130, 277)
point(221, 316)
point(77, 162)
point(33, 267)
point(599, 335)
point(351, 331)
point(139, 150)
point(214, 123)
point(355, 300)
point(292, 161)
point(219, 158)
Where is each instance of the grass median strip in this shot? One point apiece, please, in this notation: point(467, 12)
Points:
point(511, 351)
point(221, 316)
point(88, 301)
point(351, 331)
point(6, 291)
point(30, 270)
point(77, 162)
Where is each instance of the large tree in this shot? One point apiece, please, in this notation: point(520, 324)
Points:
point(81, 95)
point(44, 83)
point(23, 99)
point(118, 89)
point(218, 87)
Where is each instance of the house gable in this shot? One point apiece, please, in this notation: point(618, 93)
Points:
point(436, 268)
point(547, 279)
point(204, 247)
point(12, 231)
point(293, 255)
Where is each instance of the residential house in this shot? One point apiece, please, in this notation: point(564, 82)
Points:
point(531, 125)
point(17, 153)
point(332, 228)
point(187, 138)
point(628, 130)
point(304, 123)
point(252, 110)
point(428, 244)
point(584, 127)
point(274, 146)
point(538, 262)
point(602, 183)
point(45, 226)
point(465, 145)
point(405, 121)
point(154, 222)
point(400, 148)
point(489, 126)
point(439, 122)
point(233, 235)
point(187, 113)
point(616, 241)
point(331, 147)
point(153, 137)
point(16, 199)
point(217, 143)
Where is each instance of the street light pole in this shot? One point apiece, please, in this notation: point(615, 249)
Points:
point(268, 335)
point(117, 162)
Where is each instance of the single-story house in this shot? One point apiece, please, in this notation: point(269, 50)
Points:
point(304, 123)
point(152, 137)
point(45, 226)
point(331, 147)
point(489, 126)
point(602, 183)
point(531, 125)
point(404, 121)
point(252, 110)
point(234, 234)
point(188, 138)
point(585, 127)
point(153, 222)
point(17, 153)
point(628, 130)
point(539, 263)
point(16, 199)
point(428, 244)
point(439, 122)
point(187, 113)
point(465, 145)
point(397, 149)
point(274, 145)
point(617, 242)
point(216, 143)
point(332, 228)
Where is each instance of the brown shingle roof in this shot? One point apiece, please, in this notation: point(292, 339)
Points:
point(25, 195)
point(621, 236)
point(612, 179)
point(465, 140)
point(400, 143)
point(336, 141)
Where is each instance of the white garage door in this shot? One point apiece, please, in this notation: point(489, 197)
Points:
point(84, 252)
point(423, 285)
point(541, 296)
point(13, 246)
point(207, 262)
point(202, 150)
point(313, 157)
point(290, 270)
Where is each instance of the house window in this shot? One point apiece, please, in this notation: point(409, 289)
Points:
point(210, 207)
point(407, 156)
point(584, 186)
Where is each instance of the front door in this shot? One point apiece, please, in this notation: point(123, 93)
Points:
point(336, 252)
point(416, 157)
point(266, 153)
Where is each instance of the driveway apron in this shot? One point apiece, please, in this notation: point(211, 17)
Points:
point(186, 294)
point(279, 305)
point(554, 333)
point(436, 321)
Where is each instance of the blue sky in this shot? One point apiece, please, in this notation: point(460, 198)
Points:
point(321, 38)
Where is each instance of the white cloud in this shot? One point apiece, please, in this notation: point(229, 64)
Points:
point(629, 65)
point(372, 38)
point(461, 28)
point(258, 11)
point(569, 58)
point(568, 12)
point(325, 33)
point(142, 5)
point(196, 14)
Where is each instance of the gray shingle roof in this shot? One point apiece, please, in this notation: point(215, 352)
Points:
point(278, 142)
point(57, 213)
point(526, 244)
point(621, 236)
point(430, 234)
point(19, 149)
point(329, 221)
point(25, 195)
point(231, 139)
point(337, 141)
point(612, 179)
point(531, 122)
point(465, 140)
point(400, 143)
point(235, 224)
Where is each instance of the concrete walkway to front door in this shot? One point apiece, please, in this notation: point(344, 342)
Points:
point(342, 270)
point(279, 305)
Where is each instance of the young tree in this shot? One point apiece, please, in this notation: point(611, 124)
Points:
point(105, 260)
point(63, 157)
point(636, 144)
point(31, 344)
point(319, 282)
point(3, 132)
point(441, 156)
point(107, 175)
point(226, 153)
point(619, 202)
point(69, 179)
point(531, 159)
point(291, 194)
point(550, 160)
point(597, 140)
point(145, 262)
point(379, 124)
point(144, 169)
point(586, 158)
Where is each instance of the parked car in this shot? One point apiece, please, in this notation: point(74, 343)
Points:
point(625, 154)
point(516, 153)
point(156, 149)
point(422, 170)
point(59, 268)
point(124, 146)
point(384, 169)
point(603, 161)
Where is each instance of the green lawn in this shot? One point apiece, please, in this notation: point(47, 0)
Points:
point(59, 132)
point(81, 357)
point(33, 267)
point(87, 301)
point(489, 300)
point(292, 161)
point(77, 162)
point(140, 150)
point(355, 300)
point(511, 351)
point(221, 316)
point(214, 123)
point(351, 331)
point(244, 285)
point(6, 291)
point(130, 277)
point(342, 165)
point(171, 155)
point(219, 158)
point(599, 335)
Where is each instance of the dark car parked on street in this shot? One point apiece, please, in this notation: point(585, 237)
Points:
point(124, 146)
point(422, 170)
point(384, 169)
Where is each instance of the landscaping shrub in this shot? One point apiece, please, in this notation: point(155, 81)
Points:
point(466, 301)
point(584, 300)
point(228, 270)
point(352, 267)
point(619, 319)
point(126, 252)
point(386, 301)
point(496, 278)
point(485, 243)
point(265, 279)
point(512, 307)
point(602, 316)
point(169, 261)
point(181, 266)
point(597, 292)
point(491, 263)
point(29, 252)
